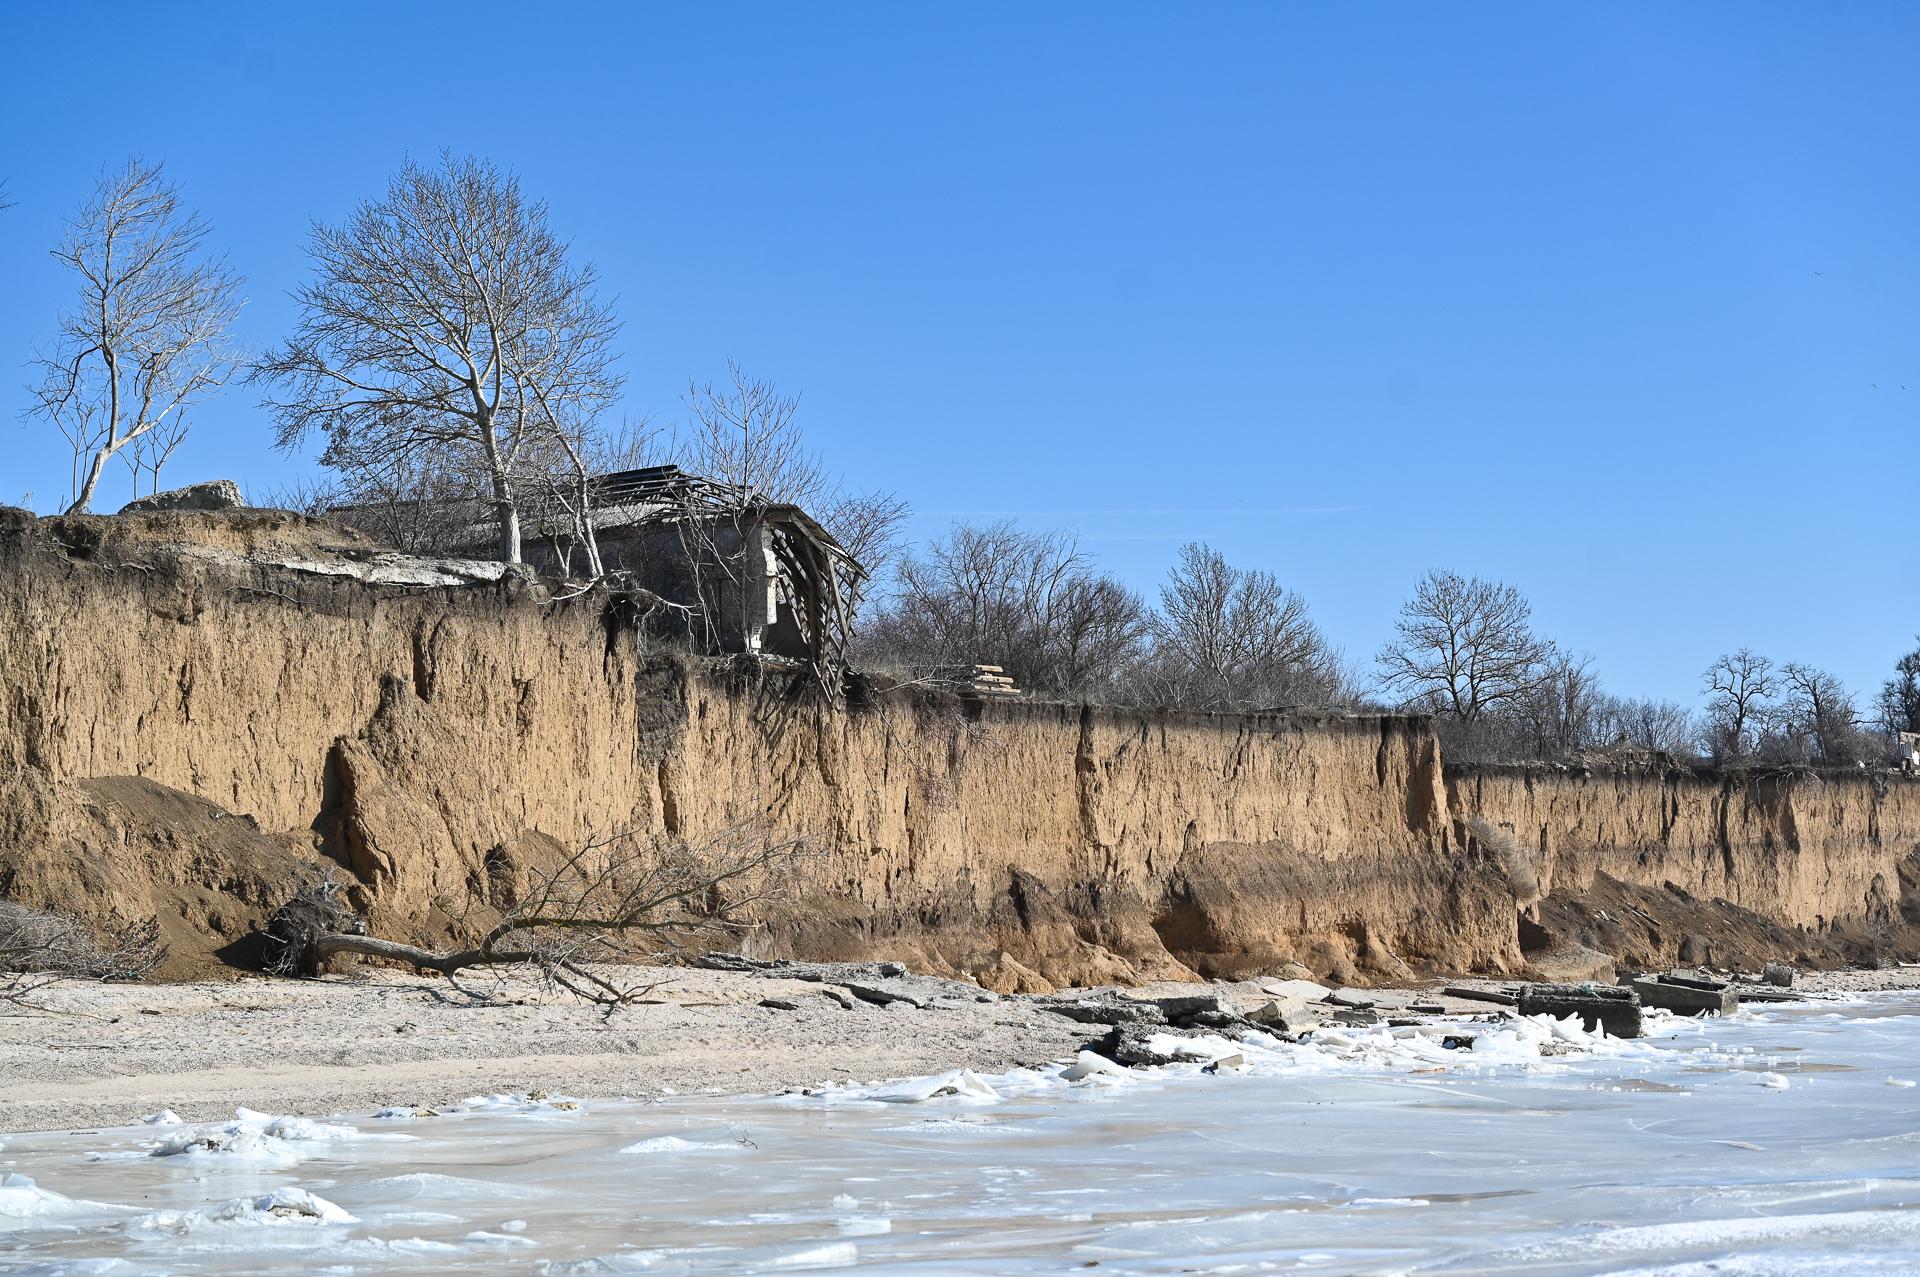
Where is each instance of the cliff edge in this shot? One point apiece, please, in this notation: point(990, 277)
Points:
point(197, 709)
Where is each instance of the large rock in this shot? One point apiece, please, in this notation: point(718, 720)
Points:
point(216, 494)
point(1290, 1017)
point(1598, 1006)
point(1573, 964)
point(1687, 997)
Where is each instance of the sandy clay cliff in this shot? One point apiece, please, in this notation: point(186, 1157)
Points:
point(199, 710)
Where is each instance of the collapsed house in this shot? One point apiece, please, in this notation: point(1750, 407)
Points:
point(730, 569)
point(741, 573)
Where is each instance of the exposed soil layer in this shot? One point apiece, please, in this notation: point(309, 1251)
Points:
point(1659, 865)
point(197, 709)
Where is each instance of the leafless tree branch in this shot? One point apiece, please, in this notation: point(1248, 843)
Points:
point(616, 898)
point(448, 330)
point(39, 949)
point(148, 338)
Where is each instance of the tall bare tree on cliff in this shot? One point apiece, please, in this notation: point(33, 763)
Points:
point(1235, 638)
point(1739, 687)
point(744, 434)
point(447, 321)
point(148, 336)
point(1819, 710)
point(1466, 648)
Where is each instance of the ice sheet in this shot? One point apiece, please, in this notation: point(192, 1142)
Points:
point(1378, 1151)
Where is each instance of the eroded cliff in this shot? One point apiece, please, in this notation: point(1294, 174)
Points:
point(1763, 863)
point(196, 710)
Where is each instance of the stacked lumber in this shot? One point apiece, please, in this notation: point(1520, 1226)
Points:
point(990, 680)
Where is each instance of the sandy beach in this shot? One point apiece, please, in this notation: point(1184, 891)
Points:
point(101, 1054)
point(106, 1053)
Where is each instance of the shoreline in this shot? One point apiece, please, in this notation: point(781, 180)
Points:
point(106, 1055)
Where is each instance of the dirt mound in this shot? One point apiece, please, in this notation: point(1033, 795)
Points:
point(118, 849)
point(1655, 928)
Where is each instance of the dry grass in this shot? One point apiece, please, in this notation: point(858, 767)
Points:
point(1519, 861)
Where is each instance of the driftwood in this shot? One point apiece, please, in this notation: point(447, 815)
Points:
point(607, 902)
point(39, 949)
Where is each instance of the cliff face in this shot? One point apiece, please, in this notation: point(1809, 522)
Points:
point(1836, 855)
point(443, 731)
point(196, 710)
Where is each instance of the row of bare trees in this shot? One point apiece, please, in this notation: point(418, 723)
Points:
point(1465, 650)
point(1796, 713)
point(1221, 638)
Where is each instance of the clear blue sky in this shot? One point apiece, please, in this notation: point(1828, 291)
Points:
point(1591, 298)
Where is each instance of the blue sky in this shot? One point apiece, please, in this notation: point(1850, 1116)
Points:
point(1614, 302)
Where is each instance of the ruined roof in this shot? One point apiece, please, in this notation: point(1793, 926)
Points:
point(659, 486)
point(655, 494)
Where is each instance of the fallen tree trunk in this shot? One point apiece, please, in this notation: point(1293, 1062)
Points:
point(588, 911)
point(326, 946)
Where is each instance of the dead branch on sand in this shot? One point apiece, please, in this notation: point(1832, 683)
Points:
point(39, 949)
point(618, 898)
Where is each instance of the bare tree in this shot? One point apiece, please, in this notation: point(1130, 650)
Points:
point(447, 327)
point(1562, 713)
point(1026, 601)
point(869, 525)
point(39, 949)
point(1235, 638)
point(616, 899)
point(1466, 648)
point(148, 337)
point(1818, 709)
point(744, 435)
point(1096, 627)
point(1900, 695)
point(1659, 726)
point(1738, 687)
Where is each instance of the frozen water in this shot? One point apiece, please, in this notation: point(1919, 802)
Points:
point(1377, 1151)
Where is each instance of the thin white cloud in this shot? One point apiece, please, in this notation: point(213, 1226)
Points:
point(1134, 513)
